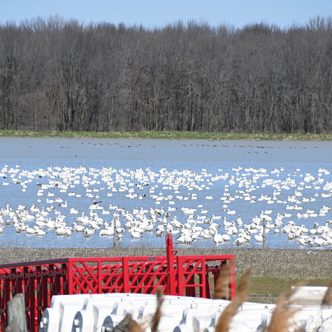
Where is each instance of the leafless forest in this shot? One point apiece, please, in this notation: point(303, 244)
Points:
point(63, 75)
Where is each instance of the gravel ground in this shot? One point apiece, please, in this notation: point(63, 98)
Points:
point(279, 263)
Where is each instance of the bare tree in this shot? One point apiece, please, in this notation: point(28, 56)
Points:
point(63, 75)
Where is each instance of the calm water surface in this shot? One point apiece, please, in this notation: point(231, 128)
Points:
point(221, 164)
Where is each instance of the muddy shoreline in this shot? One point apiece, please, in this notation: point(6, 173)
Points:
point(280, 263)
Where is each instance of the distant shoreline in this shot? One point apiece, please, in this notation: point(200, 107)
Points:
point(170, 135)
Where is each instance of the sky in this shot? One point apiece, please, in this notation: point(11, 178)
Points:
point(158, 13)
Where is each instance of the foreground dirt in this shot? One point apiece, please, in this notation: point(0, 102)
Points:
point(278, 263)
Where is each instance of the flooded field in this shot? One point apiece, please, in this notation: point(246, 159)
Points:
point(98, 193)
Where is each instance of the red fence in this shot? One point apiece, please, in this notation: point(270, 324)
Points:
point(175, 275)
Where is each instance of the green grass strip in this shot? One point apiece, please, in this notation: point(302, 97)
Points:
point(265, 289)
point(168, 135)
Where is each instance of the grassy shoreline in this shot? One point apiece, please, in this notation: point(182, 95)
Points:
point(170, 135)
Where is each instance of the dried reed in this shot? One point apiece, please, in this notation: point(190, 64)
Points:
point(229, 312)
point(221, 290)
point(133, 326)
point(283, 311)
point(128, 324)
point(327, 299)
point(157, 315)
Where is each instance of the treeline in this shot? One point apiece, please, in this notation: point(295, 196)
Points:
point(63, 75)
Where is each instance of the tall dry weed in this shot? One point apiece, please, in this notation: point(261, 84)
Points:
point(283, 311)
point(157, 315)
point(327, 299)
point(135, 327)
point(230, 311)
point(221, 290)
point(128, 324)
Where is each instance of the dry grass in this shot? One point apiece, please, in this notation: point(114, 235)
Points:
point(230, 311)
point(327, 299)
point(283, 311)
point(157, 315)
point(133, 326)
point(128, 324)
point(221, 290)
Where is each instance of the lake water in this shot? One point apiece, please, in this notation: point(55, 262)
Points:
point(224, 182)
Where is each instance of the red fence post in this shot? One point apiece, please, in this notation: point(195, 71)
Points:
point(203, 280)
point(180, 276)
point(99, 277)
point(125, 274)
point(70, 277)
point(2, 305)
point(171, 282)
point(233, 289)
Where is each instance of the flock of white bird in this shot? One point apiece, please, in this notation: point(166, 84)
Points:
point(193, 205)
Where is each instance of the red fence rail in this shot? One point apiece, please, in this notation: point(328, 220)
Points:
point(175, 275)
point(38, 281)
